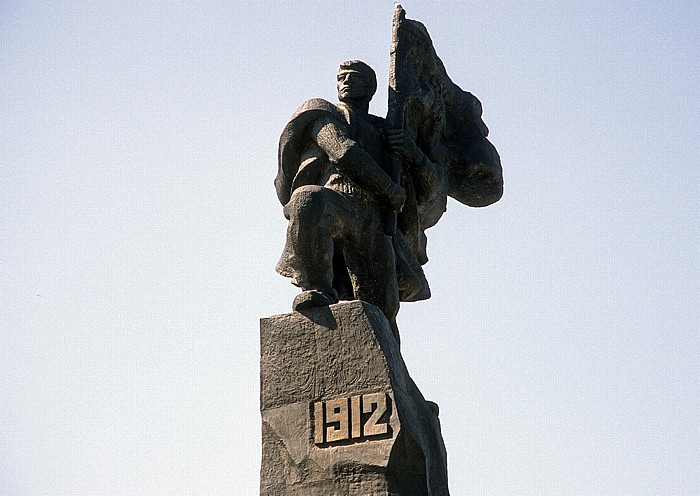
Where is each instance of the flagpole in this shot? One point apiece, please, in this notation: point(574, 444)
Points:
point(394, 118)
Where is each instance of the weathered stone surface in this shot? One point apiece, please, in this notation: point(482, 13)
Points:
point(340, 413)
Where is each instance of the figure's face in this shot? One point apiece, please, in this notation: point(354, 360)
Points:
point(352, 86)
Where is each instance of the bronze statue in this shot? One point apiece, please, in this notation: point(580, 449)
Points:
point(359, 191)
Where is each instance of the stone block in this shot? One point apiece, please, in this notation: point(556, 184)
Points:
point(340, 414)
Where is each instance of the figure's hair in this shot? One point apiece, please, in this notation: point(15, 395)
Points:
point(365, 70)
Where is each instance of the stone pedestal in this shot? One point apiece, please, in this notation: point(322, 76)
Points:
point(340, 414)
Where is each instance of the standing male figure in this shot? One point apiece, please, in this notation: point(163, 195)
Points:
point(337, 194)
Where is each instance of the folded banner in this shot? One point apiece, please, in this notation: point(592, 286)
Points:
point(444, 120)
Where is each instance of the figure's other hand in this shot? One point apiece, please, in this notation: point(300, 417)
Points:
point(396, 196)
point(400, 142)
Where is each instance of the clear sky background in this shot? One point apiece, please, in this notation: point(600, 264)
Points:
point(139, 230)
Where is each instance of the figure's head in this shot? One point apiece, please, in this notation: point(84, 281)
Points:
point(357, 82)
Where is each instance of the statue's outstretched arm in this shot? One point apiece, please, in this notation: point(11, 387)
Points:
point(355, 163)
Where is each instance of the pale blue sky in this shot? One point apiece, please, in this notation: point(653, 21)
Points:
point(140, 229)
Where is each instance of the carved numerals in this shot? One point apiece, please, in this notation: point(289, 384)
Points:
point(351, 419)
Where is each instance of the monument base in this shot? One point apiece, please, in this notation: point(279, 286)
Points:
point(340, 414)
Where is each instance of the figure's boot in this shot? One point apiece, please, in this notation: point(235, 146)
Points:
point(312, 298)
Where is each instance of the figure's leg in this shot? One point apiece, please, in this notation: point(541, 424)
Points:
point(372, 268)
point(308, 253)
